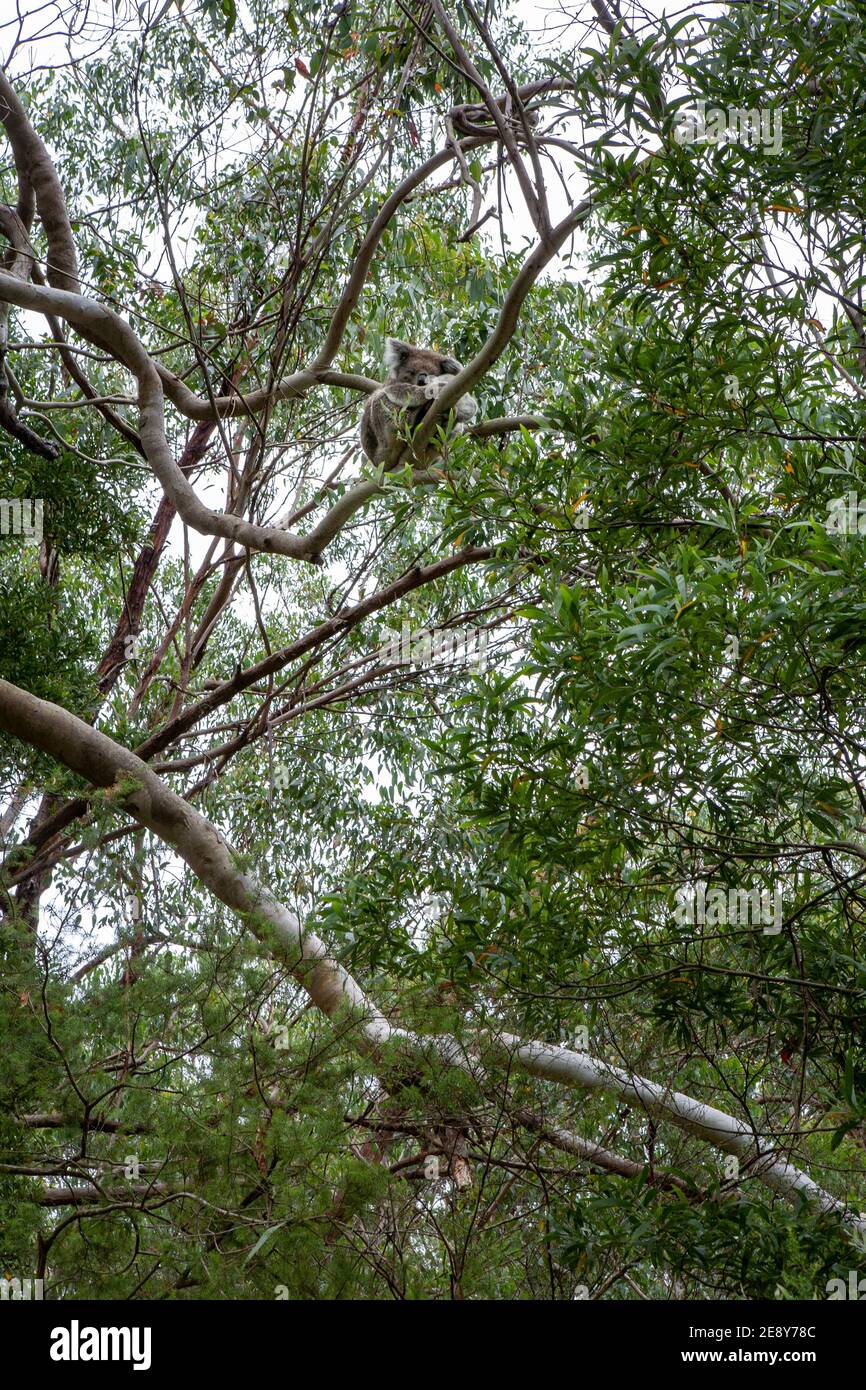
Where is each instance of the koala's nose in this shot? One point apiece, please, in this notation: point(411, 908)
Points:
point(422, 379)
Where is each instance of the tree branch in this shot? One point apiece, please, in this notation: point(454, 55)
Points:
point(93, 755)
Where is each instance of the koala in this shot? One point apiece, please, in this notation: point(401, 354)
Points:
point(415, 378)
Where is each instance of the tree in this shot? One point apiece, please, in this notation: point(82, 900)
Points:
point(410, 864)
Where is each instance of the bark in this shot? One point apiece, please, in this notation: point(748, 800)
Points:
point(37, 174)
point(86, 1195)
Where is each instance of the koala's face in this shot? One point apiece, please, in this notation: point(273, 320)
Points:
point(415, 365)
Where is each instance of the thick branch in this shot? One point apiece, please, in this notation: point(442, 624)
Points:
point(36, 169)
point(704, 1121)
point(133, 1194)
point(102, 326)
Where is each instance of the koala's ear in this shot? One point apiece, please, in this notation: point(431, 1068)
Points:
point(395, 353)
point(450, 366)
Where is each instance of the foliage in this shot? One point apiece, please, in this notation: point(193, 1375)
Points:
point(671, 693)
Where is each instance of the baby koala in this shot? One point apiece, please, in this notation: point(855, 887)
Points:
point(415, 378)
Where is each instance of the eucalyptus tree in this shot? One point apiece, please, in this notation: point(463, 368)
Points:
point(432, 880)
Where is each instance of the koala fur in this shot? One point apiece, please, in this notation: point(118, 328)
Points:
point(415, 377)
